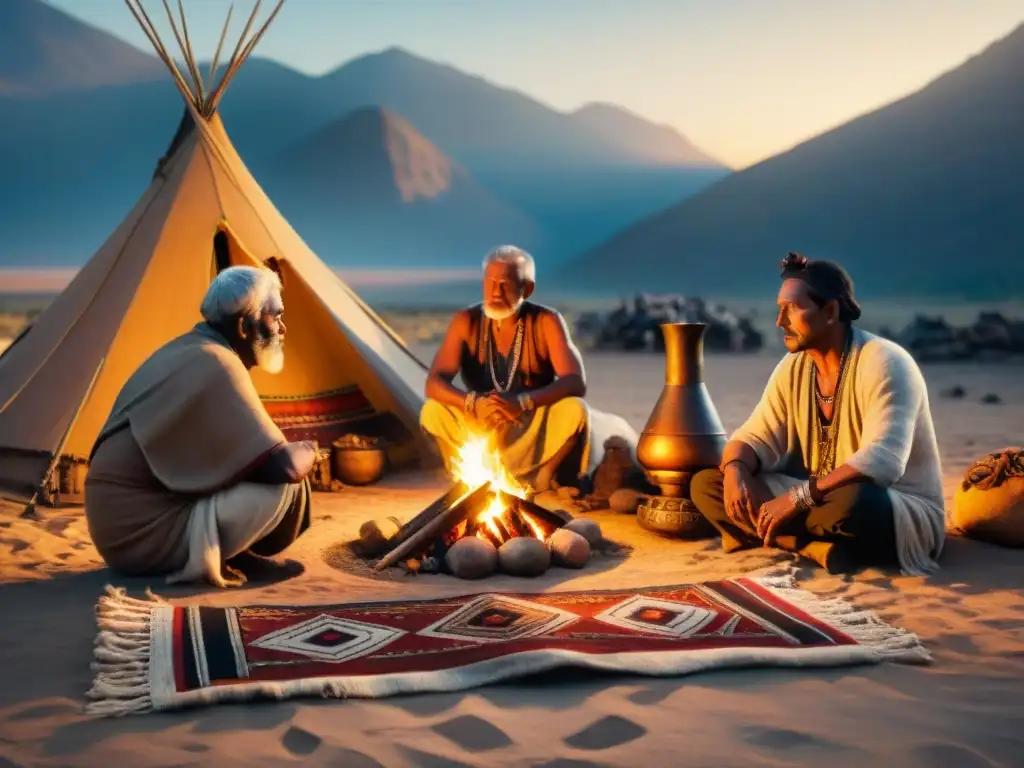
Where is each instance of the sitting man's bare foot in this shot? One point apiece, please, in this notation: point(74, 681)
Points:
point(265, 569)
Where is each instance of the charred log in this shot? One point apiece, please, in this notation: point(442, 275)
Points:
point(437, 524)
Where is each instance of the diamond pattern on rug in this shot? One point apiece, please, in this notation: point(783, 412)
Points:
point(663, 617)
point(499, 618)
point(330, 638)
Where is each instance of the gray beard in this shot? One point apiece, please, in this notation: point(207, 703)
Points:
point(498, 315)
point(269, 354)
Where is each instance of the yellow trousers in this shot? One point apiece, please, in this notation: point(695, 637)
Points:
point(528, 447)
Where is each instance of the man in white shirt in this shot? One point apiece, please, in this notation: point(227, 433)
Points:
point(839, 460)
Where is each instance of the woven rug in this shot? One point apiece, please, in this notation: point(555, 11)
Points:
point(155, 656)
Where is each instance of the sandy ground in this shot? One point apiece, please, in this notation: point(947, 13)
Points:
point(966, 709)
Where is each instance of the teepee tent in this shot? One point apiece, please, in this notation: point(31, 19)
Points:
point(345, 370)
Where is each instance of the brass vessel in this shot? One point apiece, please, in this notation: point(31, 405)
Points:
point(683, 435)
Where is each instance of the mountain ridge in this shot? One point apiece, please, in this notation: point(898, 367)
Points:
point(933, 175)
point(44, 50)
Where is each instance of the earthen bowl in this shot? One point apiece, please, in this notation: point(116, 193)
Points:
point(359, 466)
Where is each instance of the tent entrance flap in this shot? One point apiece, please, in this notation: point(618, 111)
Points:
point(326, 388)
point(20, 472)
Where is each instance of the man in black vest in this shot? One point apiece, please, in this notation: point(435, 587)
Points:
point(523, 375)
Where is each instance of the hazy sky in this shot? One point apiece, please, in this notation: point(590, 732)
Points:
point(743, 79)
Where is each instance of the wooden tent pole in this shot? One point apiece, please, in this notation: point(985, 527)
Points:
point(30, 508)
point(154, 38)
point(236, 64)
point(218, 88)
point(212, 77)
point(185, 45)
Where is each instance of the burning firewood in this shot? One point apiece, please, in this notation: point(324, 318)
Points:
point(437, 508)
point(437, 525)
point(486, 513)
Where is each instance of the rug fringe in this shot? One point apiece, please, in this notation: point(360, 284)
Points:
point(122, 654)
point(889, 642)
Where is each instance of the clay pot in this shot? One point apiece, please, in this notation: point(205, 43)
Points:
point(359, 466)
point(684, 433)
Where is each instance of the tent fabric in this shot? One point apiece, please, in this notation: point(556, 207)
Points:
point(144, 286)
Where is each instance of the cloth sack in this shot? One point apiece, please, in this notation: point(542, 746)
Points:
point(989, 503)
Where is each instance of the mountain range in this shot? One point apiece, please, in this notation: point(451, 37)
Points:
point(922, 197)
point(516, 170)
point(392, 160)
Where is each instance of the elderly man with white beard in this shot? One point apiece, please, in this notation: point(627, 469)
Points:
point(524, 382)
point(190, 477)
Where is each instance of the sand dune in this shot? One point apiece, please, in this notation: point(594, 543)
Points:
point(963, 710)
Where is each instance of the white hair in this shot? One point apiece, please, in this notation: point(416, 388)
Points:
point(239, 292)
point(517, 257)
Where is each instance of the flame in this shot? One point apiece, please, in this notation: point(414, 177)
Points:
point(477, 462)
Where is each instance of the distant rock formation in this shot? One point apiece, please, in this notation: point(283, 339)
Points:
point(991, 336)
point(639, 327)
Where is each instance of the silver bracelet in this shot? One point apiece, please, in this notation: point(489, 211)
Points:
point(807, 492)
point(801, 496)
point(794, 497)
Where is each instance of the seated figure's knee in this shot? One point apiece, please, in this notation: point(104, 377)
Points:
point(705, 482)
point(858, 496)
point(431, 414)
point(706, 490)
point(573, 410)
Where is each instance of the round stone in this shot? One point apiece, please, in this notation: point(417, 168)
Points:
point(375, 535)
point(524, 556)
point(568, 548)
point(587, 528)
point(472, 558)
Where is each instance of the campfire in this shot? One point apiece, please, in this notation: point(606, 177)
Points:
point(486, 521)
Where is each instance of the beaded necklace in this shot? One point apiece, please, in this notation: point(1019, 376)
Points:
point(827, 434)
point(492, 351)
